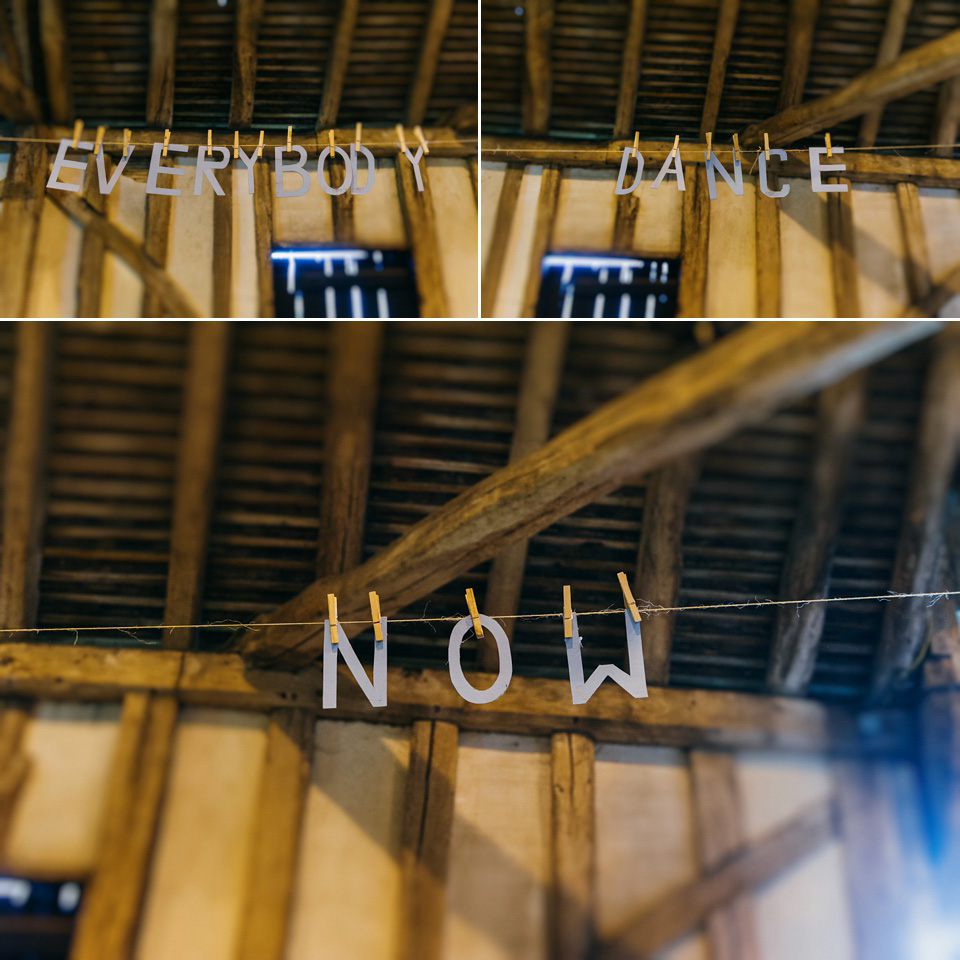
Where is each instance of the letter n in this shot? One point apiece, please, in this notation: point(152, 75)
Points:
point(375, 691)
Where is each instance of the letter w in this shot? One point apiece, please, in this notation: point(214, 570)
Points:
point(633, 681)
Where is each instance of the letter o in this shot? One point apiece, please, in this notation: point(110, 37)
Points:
point(460, 683)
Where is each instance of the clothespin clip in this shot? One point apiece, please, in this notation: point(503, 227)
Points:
point(736, 148)
point(676, 146)
point(289, 139)
point(636, 142)
point(709, 144)
point(236, 144)
point(77, 131)
point(260, 145)
point(330, 140)
point(99, 140)
point(375, 616)
point(826, 140)
point(418, 130)
point(400, 137)
point(126, 141)
point(567, 614)
point(357, 133)
point(209, 142)
point(628, 600)
point(766, 147)
point(166, 141)
point(474, 612)
point(332, 617)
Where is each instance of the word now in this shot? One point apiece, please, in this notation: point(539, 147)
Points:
point(206, 167)
point(673, 165)
point(633, 680)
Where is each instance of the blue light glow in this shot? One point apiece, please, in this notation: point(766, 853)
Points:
point(319, 256)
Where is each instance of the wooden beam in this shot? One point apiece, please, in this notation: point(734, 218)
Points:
point(25, 475)
point(20, 224)
point(660, 557)
point(722, 44)
point(891, 43)
point(337, 62)
point(543, 363)
point(843, 255)
point(947, 120)
point(421, 226)
point(630, 69)
point(249, 14)
point(17, 101)
point(14, 763)
point(276, 836)
point(694, 245)
point(737, 381)
point(156, 243)
point(422, 86)
point(919, 280)
point(223, 245)
point(425, 838)
point(502, 225)
point(768, 252)
point(163, 62)
point(156, 279)
point(538, 68)
point(802, 19)
point(540, 243)
point(920, 67)
point(720, 834)
point(263, 234)
point(806, 572)
point(570, 912)
point(531, 705)
point(56, 60)
point(20, 25)
point(666, 919)
point(625, 222)
point(110, 911)
point(353, 379)
point(921, 535)
point(344, 228)
point(939, 296)
point(204, 397)
point(93, 249)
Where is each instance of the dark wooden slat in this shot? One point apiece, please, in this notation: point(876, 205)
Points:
point(263, 233)
point(19, 224)
point(343, 207)
point(223, 245)
point(891, 43)
point(914, 241)
point(843, 255)
point(538, 74)
point(801, 22)
point(806, 573)
point(694, 244)
point(93, 249)
point(625, 222)
point(947, 121)
point(163, 61)
point(56, 60)
point(722, 44)
point(768, 252)
point(337, 62)
point(420, 89)
point(156, 243)
point(421, 225)
point(503, 222)
point(249, 14)
point(630, 69)
point(542, 232)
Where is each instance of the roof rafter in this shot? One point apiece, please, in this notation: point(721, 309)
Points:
point(438, 20)
point(891, 44)
point(249, 14)
point(630, 69)
point(800, 25)
point(163, 62)
point(336, 68)
point(722, 44)
point(56, 61)
point(947, 121)
point(538, 71)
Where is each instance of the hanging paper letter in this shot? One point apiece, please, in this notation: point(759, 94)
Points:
point(460, 683)
point(672, 164)
point(634, 681)
point(714, 166)
point(61, 161)
point(623, 172)
point(375, 691)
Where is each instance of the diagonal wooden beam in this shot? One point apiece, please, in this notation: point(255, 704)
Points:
point(920, 67)
point(917, 258)
point(738, 381)
point(936, 450)
point(249, 14)
point(502, 225)
point(547, 203)
point(56, 60)
point(930, 304)
point(891, 43)
point(806, 572)
point(947, 120)
point(17, 101)
point(801, 21)
point(538, 70)
point(424, 235)
point(163, 62)
point(666, 919)
point(630, 69)
point(722, 44)
point(420, 89)
point(337, 63)
point(204, 398)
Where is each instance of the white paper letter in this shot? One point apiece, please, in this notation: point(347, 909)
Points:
point(205, 170)
point(61, 161)
point(764, 187)
point(460, 683)
point(623, 172)
point(371, 170)
point(714, 166)
point(816, 168)
point(347, 172)
point(106, 186)
point(671, 162)
point(248, 162)
point(415, 160)
point(298, 168)
point(156, 168)
point(376, 691)
point(634, 681)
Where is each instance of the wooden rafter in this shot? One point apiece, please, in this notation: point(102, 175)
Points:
point(738, 381)
point(156, 244)
point(22, 60)
point(531, 705)
point(93, 249)
point(806, 573)
point(20, 224)
point(17, 101)
point(538, 70)
point(547, 203)
point(920, 67)
point(800, 26)
point(338, 60)
point(420, 89)
point(722, 44)
point(891, 44)
point(914, 241)
point(163, 62)
point(56, 60)
point(939, 296)
point(947, 122)
point(502, 225)
point(203, 404)
point(630, 69)
point(249, 14)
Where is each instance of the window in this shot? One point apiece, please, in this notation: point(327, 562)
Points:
point(344, 283)
point(581, 285)
point(36, 919)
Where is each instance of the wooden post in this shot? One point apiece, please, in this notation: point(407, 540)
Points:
point(90, 273)
point(163, 62)
point(800, 26)
point(249, 14)
point(14, 764)
point(722, 44)
point(56, 60)
point(420, 89)
point(421, 227)
point(20, 223)
point(502, 225)
point(263, 231)
point(948, 117)
point(223, 245)
point(768, 252)
point(890, 45)
point(538, 72)
point(694, 244)
point(919, 280)
point(338, 60)
point(630, 70)
point(542, 232)
point(846, 277)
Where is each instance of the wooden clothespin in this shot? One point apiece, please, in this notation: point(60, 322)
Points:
point(636, 142)
point(418, 130)
point(332, 617)
point(766, 147)
point(736, 148)
point(357, 133)
point(567, 613)
point(676, 146)
point(375, 616)
point(236, 144)
point(474, 612)
point(77, 131)
point(166, 141)
point(826, 140)
point(709, 144)
point(628, 600)
point(400, 137)
point(289, 139)
point(260, 145)
point(330, 141)
point(209, 142)
point(126, 141)
point(100, 132)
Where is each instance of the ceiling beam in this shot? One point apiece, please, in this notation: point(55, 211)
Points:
point(891, 43)
point(249, 15)
point(630, 69)
point(163, 62)
point(20, 224)
point(420, 89)
point(722, 44)
point(939, 296)
point(697, 402)
point(947, 121)
point(801, 21)
point(17, 101)
point(338, 61)
point(538, 69)
point(920, 67)
point(56, 60)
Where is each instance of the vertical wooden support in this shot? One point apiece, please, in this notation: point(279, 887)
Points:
point(223, 245)
point(919, 281)
point(846, 277)
point(722, 44)
point(276, 838)
point(421, 225)
point(625, 222)
point(343, 224)
point(694, 243)
point(93, 249)
point(437, 20)
point(202, 414)
point(630, 70)
point(25, 475)
point(800, 27)
point(806, 573)
point(660, 558)
point(890, 45)
point(163, 62)
point(337, 63)
point(948, 117)
point(20, 223)
point(719, 827)
point(538, 71)
point(768, 252)
point(425, 838)
point(539, 386)
point(14, 764)
point(56, 60)
point(249, 14)
point(353, 378)
point(109, 915)
point(156, 243)
point(542, 232)
point(263, 232)
point(503, 222)
point(570, 914)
